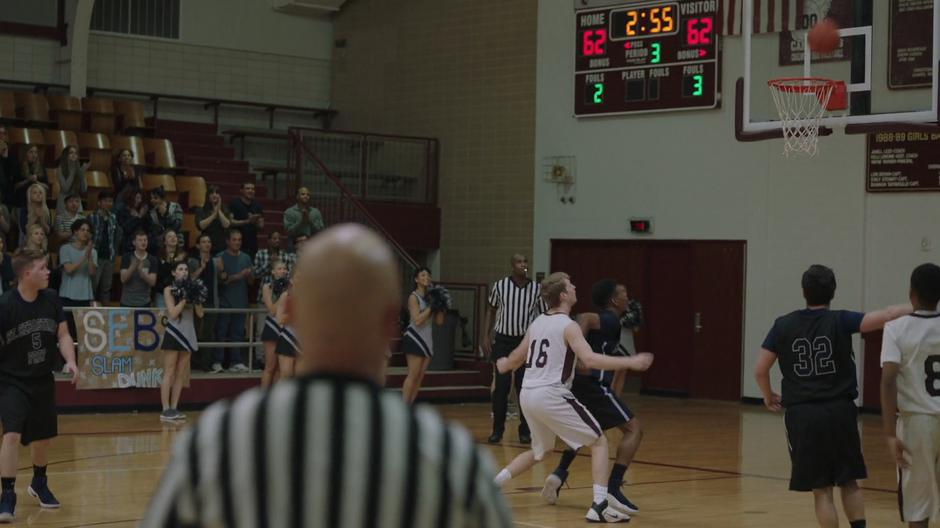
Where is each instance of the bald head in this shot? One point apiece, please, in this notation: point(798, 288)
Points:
point(345, 300)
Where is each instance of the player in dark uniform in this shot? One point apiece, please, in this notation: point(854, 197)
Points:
point(814, 347)
point(593, 388)
point(32, 331)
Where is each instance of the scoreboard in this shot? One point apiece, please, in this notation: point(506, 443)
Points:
point(646, 57)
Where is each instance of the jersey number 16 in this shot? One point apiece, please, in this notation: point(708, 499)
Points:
point(542, 358)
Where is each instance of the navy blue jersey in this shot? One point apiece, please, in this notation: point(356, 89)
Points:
point(814, 348)
point(29, 335)
point(605, 341)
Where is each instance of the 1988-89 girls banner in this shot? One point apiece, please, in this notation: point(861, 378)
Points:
point(119, 348)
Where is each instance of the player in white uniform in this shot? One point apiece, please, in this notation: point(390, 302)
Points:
point(551, 344)
point(910, 384)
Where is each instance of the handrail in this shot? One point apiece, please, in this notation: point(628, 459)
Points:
point(326, 114)
point(297, 166)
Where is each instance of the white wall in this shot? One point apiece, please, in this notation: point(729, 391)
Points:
point(686, 170)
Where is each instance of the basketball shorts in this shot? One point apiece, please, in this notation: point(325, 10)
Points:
point(604, 405)
point(918, 485)
point(825, 449)
point(554, 411)
point(28, 408)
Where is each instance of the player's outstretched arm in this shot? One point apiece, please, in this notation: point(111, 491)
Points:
point(765, 362)
point(515, 359)
point(876, 320)
point(592, 360)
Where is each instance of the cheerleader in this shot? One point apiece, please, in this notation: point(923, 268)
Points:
point(183, 297)
point(425, 304)
point(287, 346)
point(270, 293)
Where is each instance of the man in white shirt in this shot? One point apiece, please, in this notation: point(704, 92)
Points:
point(910, 398)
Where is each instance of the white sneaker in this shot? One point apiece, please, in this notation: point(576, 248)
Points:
point(550, 489)
point(216, 368)
point(601, 513)
point(238, 367)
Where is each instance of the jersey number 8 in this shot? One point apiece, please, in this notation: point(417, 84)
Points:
point(813, 358)
point(542, 358)
point(932, 370)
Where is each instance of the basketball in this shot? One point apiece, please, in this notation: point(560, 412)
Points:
point(824, 36)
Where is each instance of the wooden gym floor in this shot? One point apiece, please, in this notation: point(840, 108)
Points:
point(701, 464)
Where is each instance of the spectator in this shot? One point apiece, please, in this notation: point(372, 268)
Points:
point(138, 273)
point(36, 239)
point(234, 277)
point(36, 212)
point(134, 217)
point(79, 262)
point(265, 257)
point(302, 218)
point(171, 254)
point(248, 217)
point(164, 215)
point(202, 267)
point(212, 219)
point(65, 218)
point(9, 168)
point(71, 178)
point(6, 268)
point(106, 236)
point(125, 175)
point(6, 223)
point(32, 171)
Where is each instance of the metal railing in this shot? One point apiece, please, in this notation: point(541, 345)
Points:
point(469, 299)
point(337, 203)
point(375, 166)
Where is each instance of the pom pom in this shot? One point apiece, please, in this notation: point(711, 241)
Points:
point(279, 286)
point(178, 290)
point(196, 292)
point(439, 299)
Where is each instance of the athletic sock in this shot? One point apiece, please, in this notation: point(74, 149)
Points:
point(39, 471)
point(567, 457)
point(600, 494)
point(616, 476)
point(502, 477)
point(6, 483)
point(857, 524)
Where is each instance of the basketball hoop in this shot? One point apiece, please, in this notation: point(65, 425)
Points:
point(801, 102)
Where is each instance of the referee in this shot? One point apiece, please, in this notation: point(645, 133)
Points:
point(514, 301)
point(330, 448)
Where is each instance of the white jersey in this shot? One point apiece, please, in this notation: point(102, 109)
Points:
point(913, 342)
point(549, 361)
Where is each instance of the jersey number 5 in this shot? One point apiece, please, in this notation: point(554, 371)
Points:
point(813, 358)
point(932, 370)
point(542, 358)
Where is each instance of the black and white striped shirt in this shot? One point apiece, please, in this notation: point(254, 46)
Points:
point(516, 306)
point(326, 451)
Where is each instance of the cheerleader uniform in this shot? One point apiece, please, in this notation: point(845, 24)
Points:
point(287, 342)
point(417, 340)
point(180, 333)
point(272, 330)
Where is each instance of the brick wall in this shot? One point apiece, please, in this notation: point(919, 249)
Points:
point(32, 60)
point(462, 71)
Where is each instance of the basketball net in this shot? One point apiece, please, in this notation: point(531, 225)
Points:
point(801, 102)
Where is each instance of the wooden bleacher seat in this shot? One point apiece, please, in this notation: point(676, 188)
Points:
point(22, 138)
point(195, 189)
point(57, 141)
point(131, 117)
point(8, 108)
point(159, 153)
point(101, 116)
point(190, 228)
point(33, 109)
point(97, 181)
point(131, 143)
point(66, 111)
point(53, 175)
point(152, 181)
point(97, 149)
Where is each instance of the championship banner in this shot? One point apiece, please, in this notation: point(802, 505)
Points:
point(119, 348)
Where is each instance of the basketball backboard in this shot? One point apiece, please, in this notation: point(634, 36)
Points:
point(886, 58)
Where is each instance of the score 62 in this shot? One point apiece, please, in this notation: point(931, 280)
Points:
point(594, 42)
point(698, 31)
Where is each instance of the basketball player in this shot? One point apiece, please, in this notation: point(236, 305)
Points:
point(551, 343)
point(910, 383)
point(330, 448)
point(594, 390)
point(814, 346)
point(32, 326)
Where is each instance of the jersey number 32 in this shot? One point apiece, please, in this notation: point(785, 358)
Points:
point(813, 358)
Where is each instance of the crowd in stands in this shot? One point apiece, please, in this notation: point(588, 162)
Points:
point(89, 235)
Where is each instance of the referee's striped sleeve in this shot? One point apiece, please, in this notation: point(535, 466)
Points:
point(494, 295)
